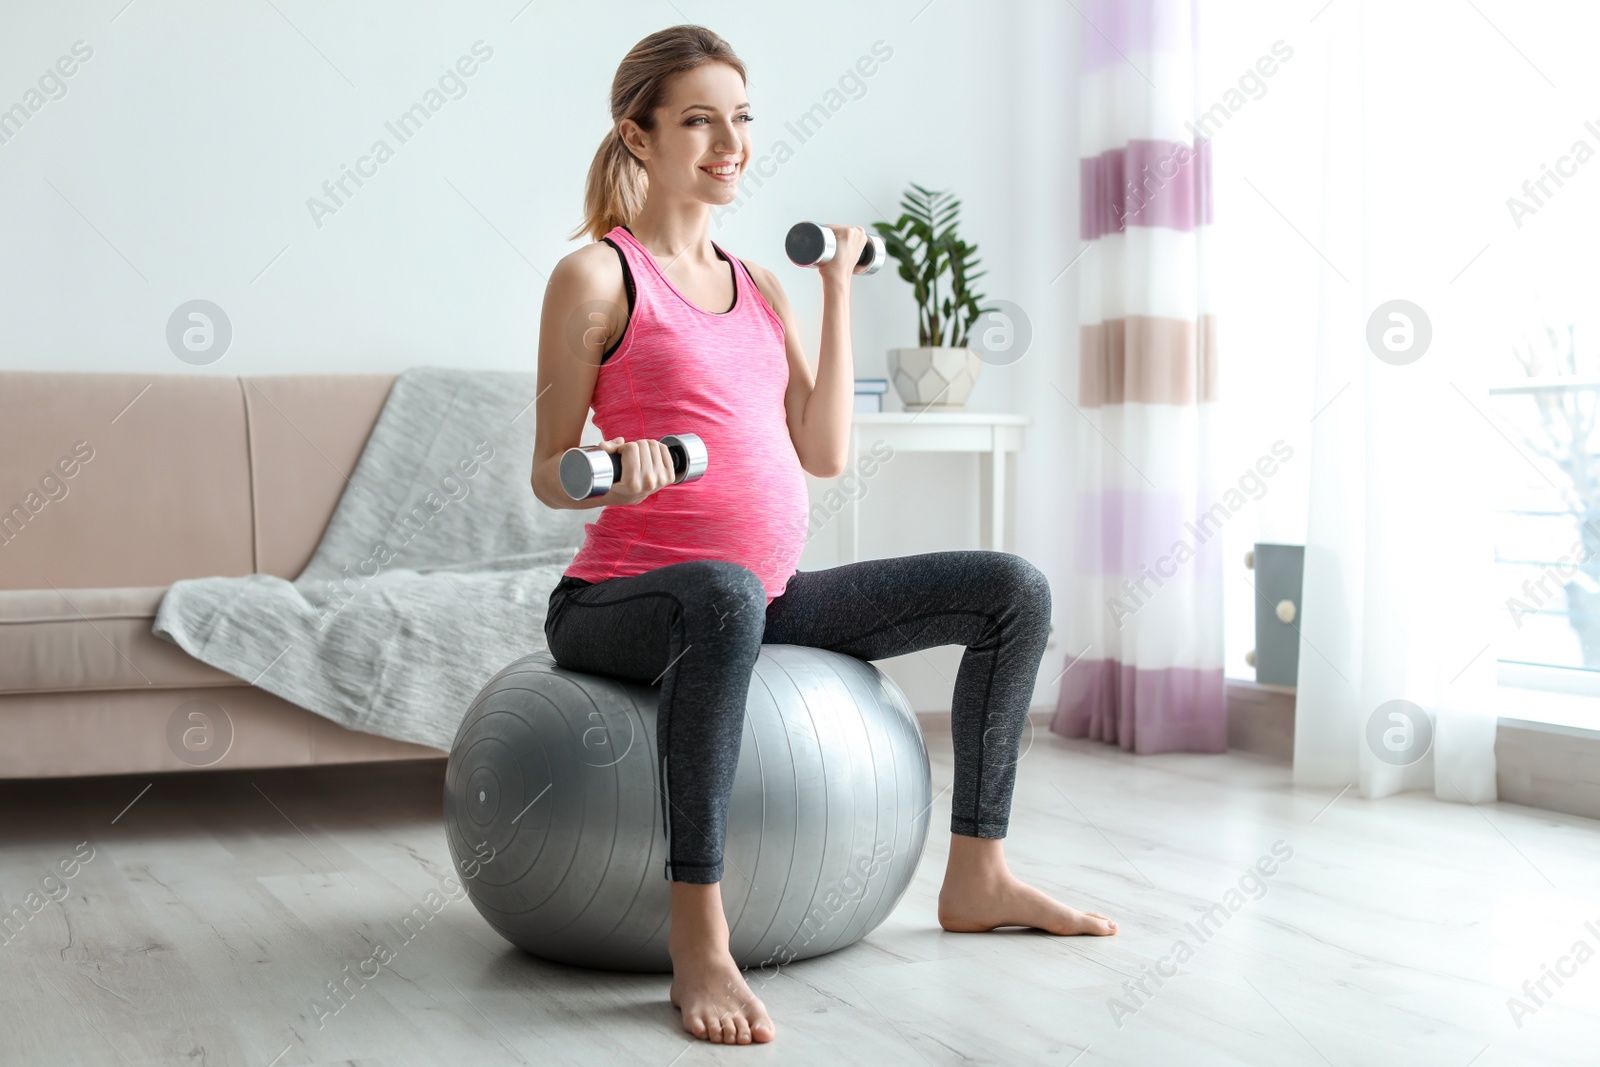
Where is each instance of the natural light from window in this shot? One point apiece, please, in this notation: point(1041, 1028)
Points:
point(1481, 131)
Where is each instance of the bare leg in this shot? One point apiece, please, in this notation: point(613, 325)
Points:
point(707, 987)
point(980, 893)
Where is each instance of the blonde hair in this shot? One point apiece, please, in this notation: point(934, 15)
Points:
point(617, 183)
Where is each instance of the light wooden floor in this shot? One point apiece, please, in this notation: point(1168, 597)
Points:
point(218, 904)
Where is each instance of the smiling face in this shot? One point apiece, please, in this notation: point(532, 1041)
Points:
point(701, 143)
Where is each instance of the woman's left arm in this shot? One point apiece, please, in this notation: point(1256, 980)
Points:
point(818, 411)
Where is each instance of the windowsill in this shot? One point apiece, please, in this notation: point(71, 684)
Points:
point(1573, 714)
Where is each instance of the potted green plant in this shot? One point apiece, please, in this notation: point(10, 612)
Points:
point(940, 372)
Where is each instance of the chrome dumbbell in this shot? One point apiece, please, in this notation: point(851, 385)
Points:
point(809, 244)
point(592, 471)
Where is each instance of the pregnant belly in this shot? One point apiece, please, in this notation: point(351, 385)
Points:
point(749, 505)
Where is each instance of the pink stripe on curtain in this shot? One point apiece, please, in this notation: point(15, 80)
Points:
point(1130, 529)
point(1145, 183)
point(1119, 32)
point(1179, 709)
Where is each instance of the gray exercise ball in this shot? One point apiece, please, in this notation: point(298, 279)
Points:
point(552, 810)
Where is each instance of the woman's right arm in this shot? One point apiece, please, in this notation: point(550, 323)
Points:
point(580, 316)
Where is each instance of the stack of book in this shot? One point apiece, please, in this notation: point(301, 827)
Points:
point(869, 393)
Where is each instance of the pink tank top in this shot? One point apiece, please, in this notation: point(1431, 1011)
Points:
point(681, 369)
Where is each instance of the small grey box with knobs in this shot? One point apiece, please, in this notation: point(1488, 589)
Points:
point(1279, 570)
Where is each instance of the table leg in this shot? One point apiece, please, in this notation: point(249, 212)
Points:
point(985, 502)
point(850, 517)
point(997, 498)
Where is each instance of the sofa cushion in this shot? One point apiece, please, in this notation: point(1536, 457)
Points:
point(307, 432)
point(114, 480)
point(75, 639)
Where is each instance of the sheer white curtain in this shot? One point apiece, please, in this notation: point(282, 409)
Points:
point(1362, 176)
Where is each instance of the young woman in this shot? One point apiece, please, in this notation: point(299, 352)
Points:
point(660, 331)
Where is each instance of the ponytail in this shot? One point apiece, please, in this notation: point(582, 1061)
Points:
point(615, 190)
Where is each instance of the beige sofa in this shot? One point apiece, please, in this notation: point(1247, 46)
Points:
point(113, 486)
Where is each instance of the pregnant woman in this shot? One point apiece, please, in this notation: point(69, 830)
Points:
point(661, 331)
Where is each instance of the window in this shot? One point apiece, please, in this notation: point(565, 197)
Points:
point(1547, 535)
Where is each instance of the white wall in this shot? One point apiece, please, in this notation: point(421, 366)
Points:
point(178, 162)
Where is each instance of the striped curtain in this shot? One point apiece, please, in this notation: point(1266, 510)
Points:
point(1144, 651)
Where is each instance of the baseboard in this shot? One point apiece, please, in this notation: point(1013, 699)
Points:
point(1550, 766)
point(1261, 718)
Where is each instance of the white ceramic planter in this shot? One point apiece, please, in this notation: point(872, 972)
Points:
point(934, 379)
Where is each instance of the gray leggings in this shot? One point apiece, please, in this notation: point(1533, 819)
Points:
point(697, 627)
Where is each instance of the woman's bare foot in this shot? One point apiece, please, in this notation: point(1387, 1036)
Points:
point(980, 893)
point(707, 987)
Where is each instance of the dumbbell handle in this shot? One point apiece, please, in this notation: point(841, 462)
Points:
point(591, 471)
point(809, 244)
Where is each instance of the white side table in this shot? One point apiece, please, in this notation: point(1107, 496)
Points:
point(999, 435)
